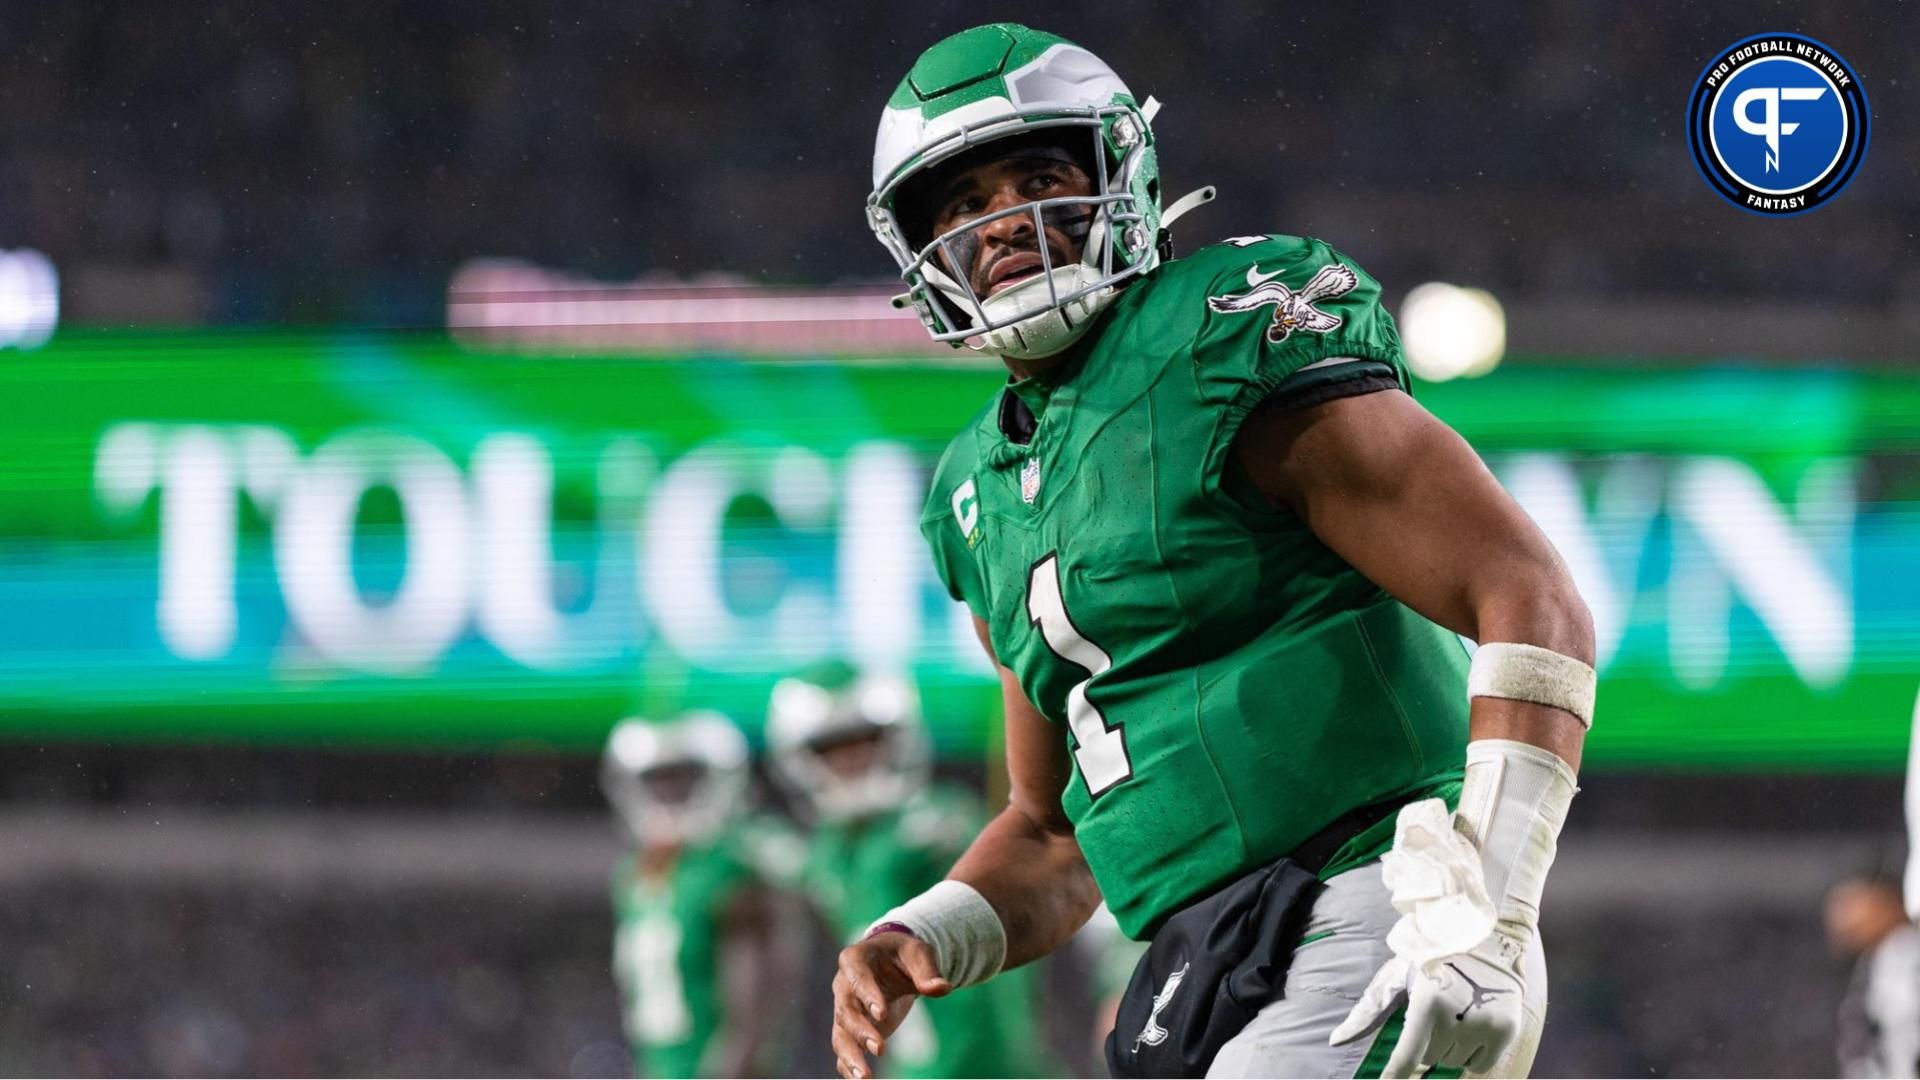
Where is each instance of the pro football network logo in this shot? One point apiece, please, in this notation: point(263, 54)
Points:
point(1778, 124)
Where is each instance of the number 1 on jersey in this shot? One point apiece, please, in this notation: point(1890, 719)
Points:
point(1100, 751)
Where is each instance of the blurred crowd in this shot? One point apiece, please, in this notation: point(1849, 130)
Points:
point(482, 922)
point(221, 980)
point(319, 161)
point(1719, 991)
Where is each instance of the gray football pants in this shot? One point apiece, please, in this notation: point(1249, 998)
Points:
point(1345, 943)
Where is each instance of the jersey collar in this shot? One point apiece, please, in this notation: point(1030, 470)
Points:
point(1025, 401)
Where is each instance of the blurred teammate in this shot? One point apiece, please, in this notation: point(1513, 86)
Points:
point(1221, 556)
point(853, 749)
point(696, 943)
point(1880, 1016)
point(1911, 880)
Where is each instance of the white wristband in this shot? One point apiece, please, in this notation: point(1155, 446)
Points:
point(969, 942)
point(1512, 804)
point(1504, 669)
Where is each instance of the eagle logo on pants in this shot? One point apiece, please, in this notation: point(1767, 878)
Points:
point(1291, 310)
point(1153, 1034)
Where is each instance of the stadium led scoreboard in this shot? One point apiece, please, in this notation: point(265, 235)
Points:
point(390, 539)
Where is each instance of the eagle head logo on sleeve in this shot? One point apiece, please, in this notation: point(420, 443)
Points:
point(1291, 310)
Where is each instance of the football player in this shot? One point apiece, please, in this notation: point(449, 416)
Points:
point(695, 939)
point(853, 751)
point(1224, 562)
point(1879, 1021)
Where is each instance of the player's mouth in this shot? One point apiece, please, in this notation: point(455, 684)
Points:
point(1013, 269)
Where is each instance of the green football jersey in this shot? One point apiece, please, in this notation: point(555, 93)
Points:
point(1229, 686)
point(668, 940)
point(858, 871)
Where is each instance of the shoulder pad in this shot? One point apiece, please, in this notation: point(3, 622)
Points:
point(1266, 241)
point(1276, 306)
point(1222, 267)
point(1275, 256)
point(1280, 303)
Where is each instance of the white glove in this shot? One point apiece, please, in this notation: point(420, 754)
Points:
point(1458, 974)
point(1463, 1011)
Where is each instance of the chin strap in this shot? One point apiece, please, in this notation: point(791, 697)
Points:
point(1192, 200)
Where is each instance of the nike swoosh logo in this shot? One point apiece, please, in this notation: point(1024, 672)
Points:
point(1255, 278)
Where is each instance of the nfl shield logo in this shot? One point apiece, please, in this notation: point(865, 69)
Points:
point(1030, 480)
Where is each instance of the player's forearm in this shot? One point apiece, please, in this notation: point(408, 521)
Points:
point(1548, 728)
point(752, 957)
point(1548, 614)
point(735, 1050)
point(1540, 608)
point(1532, 690)
point(1036, 879)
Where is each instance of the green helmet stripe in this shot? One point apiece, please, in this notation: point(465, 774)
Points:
point(967, 57)
point(969, 66)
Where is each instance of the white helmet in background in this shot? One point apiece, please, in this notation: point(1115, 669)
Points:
point(676, 782)
point(811, 720)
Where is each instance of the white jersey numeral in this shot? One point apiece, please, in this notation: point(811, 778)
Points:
point(1100, 751)
point(647, 954)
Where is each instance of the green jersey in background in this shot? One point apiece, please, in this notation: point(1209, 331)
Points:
point(859, 870)
point(1229, 685)
point(668, 941)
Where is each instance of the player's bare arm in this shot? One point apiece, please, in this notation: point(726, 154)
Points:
point(1405, 500)
point(1401, 496)
point(751, 956)
point(1025, 864)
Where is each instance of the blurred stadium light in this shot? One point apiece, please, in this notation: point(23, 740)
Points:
point(504, 303)
point(29, 299)
point(1450, 332)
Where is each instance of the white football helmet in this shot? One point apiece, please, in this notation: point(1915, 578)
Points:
point(676, 782)
point(1006, 81)
point(806, 720)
